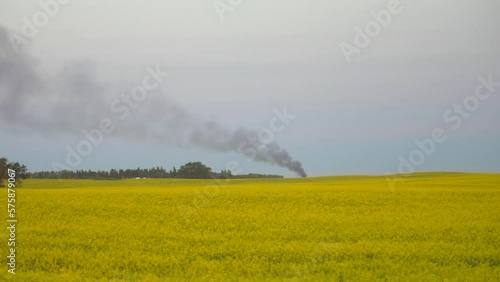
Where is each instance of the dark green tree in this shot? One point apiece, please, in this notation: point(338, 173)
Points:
point(20, 170)
point(173, 172)
point(3, 170)
point(194, 170)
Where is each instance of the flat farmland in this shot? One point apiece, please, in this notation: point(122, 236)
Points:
point(428, 227)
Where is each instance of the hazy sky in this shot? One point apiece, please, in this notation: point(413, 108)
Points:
point(350, 118)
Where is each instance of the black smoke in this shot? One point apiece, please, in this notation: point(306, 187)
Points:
point(75, 99)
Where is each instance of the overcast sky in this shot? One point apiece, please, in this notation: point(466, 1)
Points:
point(357, 117)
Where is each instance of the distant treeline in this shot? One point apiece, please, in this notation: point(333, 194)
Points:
point(257, 175)
point(194, 170)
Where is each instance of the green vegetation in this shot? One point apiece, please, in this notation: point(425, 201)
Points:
point(192, 170)
point(5, 165)
point(430, 227)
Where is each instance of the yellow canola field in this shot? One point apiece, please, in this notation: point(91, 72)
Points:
point(427, 227)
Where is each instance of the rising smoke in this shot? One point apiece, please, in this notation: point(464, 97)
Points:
point(74, 99)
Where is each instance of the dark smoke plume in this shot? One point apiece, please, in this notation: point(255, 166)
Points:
point(75, 99)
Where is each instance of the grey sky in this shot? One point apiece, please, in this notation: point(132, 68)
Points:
point(351, 118)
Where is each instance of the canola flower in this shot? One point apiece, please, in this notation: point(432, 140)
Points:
point(431, 227)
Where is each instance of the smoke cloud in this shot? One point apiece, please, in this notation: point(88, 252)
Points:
point(75, 99)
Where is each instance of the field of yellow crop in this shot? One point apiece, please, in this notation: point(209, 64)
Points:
point(428, 227)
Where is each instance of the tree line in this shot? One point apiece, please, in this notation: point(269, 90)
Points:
point(195, 170)
point(192, 170)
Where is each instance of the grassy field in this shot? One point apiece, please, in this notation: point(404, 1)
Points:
point(429, 227)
